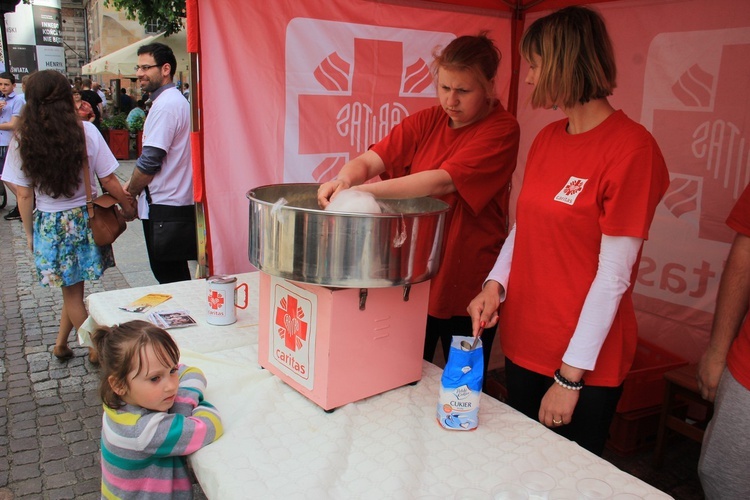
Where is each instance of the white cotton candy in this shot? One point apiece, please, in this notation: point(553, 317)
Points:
point(353, 201)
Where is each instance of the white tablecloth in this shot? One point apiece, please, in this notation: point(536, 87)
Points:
point(278, 444)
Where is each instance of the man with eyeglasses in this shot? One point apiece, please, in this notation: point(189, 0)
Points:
point(162, 180)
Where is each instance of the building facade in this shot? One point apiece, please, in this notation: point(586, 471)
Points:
point(75, 39)
point(91, 29)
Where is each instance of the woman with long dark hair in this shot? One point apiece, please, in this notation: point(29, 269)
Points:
point(45, 160)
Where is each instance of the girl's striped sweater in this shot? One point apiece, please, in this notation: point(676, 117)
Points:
point(144, 451)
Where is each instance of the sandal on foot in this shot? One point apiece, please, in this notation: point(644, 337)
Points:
point(62, 353)
point(93, 356)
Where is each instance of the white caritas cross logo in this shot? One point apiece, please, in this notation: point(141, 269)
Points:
point(347, 86)
point(570, 192)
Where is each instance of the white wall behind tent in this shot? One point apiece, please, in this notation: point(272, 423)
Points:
point(681, 73)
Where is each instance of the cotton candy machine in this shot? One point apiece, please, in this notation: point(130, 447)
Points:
point(343, 296)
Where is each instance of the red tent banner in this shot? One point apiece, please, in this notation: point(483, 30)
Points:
point(290, 91)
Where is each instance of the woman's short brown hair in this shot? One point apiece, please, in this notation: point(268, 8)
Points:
point(577, 60)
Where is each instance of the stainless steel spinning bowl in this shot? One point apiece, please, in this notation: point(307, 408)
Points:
point(295, 239)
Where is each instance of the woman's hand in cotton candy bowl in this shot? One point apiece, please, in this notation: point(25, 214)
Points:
point(329, 190)
point(353, 201)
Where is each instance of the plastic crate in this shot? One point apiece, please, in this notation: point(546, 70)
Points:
point(644, 383)
point(637, 430)
point(633, 431)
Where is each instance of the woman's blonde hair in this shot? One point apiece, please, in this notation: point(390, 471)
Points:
point(476, 54)
point(120, 350)
point(577, 60)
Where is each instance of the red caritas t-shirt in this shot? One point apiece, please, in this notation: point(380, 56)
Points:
point(480, 159)
point(738, 359)
point(577, 187)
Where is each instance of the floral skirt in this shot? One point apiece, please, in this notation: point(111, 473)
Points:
point(64, 248)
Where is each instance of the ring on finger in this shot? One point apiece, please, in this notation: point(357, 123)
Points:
point(556, 422)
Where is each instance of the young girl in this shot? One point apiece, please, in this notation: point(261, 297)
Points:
point(154, 413)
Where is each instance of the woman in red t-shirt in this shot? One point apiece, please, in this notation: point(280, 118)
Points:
point(567, 270)
point(462, 151)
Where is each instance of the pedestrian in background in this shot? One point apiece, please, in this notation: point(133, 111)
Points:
point(139, 111)
point(163, 174)
point(83, 108)
point(566, 272)
point(92, 98)
point(126, 102)
point(97, 87)
point(10, 109)
point(45, 160)
point(724, 371)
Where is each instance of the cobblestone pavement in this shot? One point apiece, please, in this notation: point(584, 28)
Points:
point(50, 411)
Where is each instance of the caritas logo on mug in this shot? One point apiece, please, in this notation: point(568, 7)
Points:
point(222, 299)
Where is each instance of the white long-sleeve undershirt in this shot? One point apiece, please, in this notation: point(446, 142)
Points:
point(617, 255)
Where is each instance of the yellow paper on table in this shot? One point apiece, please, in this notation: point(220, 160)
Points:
point(146, 302)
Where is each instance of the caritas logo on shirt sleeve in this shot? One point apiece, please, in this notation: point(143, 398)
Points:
point(570, 192)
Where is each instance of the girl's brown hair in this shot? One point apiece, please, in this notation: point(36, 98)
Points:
point(477, 54)
point(120, 350)
point(577, 60)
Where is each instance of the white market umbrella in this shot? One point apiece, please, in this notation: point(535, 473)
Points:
point(122, 61)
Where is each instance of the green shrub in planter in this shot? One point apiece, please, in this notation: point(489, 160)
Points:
point(116, 122)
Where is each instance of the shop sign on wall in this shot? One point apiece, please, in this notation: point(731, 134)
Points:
point(34, 35)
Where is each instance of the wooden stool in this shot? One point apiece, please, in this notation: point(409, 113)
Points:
point(681, 385)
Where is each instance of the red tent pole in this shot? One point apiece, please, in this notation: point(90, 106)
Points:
point(196, 141)
point(516, 31)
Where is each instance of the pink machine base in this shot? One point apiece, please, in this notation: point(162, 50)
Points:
point(357, 353)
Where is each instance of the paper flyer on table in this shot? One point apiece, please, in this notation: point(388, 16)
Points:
point(171, 319)
point(146, 302)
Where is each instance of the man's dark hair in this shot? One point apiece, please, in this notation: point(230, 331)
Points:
point(162, 55)
point(123, 90)
point(8, 76)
